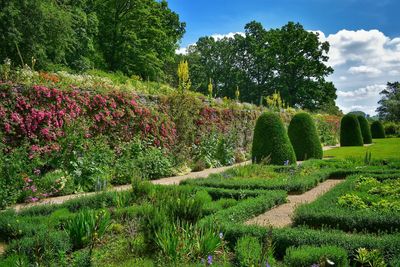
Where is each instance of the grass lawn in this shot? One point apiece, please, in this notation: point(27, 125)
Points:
point(380, 149)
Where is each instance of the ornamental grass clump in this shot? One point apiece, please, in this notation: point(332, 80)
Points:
point(304, 137)
point(365, 129)
point(271, 142)
point(377, 130)
point(350, 131)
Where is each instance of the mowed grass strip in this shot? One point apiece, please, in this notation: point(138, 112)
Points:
point(388, 148)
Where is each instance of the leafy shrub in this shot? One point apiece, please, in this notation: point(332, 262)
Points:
point(304, 137)
point(391, 128)
point(377, 130)
point(126, 162)
point(56, 183)
point(44, 248)
point(371, 258)
point(153, 164)
point(271, 141)
point(86, 227)
point(350, 131)
point(249, 252)
point(179, 243)
point(365, 129)
point(306, 256)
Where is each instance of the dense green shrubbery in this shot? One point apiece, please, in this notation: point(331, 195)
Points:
point(377, 130)
point(350, 132)
point(271, 142)
point(295, 184)
point(392, 129)
point(352, 213)
point(365, 129)
point(306, 256)
point(304, 137)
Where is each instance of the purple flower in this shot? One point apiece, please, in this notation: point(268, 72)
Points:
point(286, 162)
point(267, 264)
point(36, 172)
point(315, 265)
point(209, 260)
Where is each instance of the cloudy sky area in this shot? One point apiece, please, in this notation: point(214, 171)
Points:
point(364, 36)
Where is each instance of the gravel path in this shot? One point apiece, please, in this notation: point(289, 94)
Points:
point(2, 248)
point(281, 215)
point(164, 181)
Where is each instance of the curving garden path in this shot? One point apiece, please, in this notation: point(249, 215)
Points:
point(281, 215)
point(164, 181)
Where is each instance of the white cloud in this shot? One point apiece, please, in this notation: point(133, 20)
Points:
point(181, 51)
point(364, 70)
point(217, 36)
point(361, 93)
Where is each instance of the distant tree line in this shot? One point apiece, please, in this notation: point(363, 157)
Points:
point(389, 105)
point(288, 60)
point(136, 37)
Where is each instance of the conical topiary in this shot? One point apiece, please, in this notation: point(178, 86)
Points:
point(350, 132)
point(304, 137)
point(377, 130)
point(271, 142)
point(365, 129)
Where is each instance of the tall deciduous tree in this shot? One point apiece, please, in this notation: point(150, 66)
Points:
point(138, 36)
point(289, 60)
point(389, 108)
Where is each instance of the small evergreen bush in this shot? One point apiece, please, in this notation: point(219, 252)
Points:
point(304, 137)
point(306, 256)
point(377, 130)
point(350, 131)
point(271, 141)
point(365, 129)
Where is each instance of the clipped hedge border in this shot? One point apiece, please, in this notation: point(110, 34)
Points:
point(324, 212)
point(294, 184)
point(306, 256)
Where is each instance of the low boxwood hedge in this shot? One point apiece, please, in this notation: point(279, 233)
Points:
point(306, 256)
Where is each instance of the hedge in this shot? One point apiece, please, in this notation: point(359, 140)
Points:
point(304, 137)
point(377, 130)
point(271, 142)
point(350, 132)
point(306, 256)
point(324, 212)
point(293, 184)
point(365, 129)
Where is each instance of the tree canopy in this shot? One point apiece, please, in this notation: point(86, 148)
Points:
point(133, 36)
point(289, 60)
point(389, 105)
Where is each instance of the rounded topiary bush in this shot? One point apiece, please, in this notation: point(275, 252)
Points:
point(365, 129)
point(377, 130)
point(304, 137)
point(350, 131)
point(271, 142)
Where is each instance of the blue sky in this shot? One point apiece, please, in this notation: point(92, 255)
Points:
point(364, 36)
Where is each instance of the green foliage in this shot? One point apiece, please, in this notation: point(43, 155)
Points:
point(45, 248)
point(153, 164)
point(350, 131)
point(377, 130)
point(249, 252)
point(365, 130)
point(372, 258)
point(184, 243)
point(304, 137)
point(271, 140)
point(389, 105)
point(306, 256)
point(392, 129)
point(87, 227)
point(360, 203)
point(126, 164)
point(281, 60)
